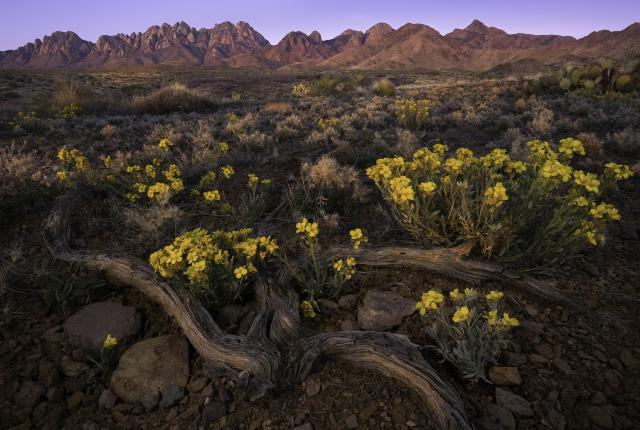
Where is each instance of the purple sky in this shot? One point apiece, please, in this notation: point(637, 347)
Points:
point(25, 20)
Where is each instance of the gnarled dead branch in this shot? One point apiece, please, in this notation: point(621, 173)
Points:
point(453, 262)
point(277, 350)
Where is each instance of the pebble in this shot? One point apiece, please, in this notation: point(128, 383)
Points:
point(312, 387)
point(107, 399)
point(516, 404)
point(171, 394)
point(600, 417)
point(501, 375)
point(75, 400)
point(351, 422)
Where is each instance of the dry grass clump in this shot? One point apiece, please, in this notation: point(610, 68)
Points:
point(332, 177)
point(237, 125)
point(289, 127)
point(384, 88)
point(71, 92)
point(17, 169)
point(406, 143)
point(542, 120)
point(172, 98)
point(151, 224)
point(277, 107)
point(592, 145)
point(626, 141)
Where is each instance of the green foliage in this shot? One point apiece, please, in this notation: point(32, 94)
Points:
point(384, 88)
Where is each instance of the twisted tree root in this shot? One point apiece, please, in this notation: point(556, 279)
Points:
point(277, 350)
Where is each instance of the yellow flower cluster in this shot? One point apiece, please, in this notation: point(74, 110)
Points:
point(308, 309)
point(401, 190)
point(505, 321)
point(212, 196)
point(193, 253)
point(427, 187)
point(617, 172)
point(542, 150)
point(412, 113)
point(358, 238)
point(74, 159)
point(467, 294)
point(589, 181)
point(460, 315)
point(308, 230)
point(553, 169)
point(223, 146)
point(386, 168)
point(429, 301)
point(155, 191)
point(516, 167)
point(346, 267)
point(570, 146)
point(165, 144)
point(496, 195)
point(329, 122)
point(605, 211)
point(109, 342)
point(497, 158)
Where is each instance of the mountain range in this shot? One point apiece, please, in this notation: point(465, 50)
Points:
point(411, 47)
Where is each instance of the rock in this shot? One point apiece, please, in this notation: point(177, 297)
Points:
point(598, 398)
point(627, 358)
point(107, 399)
point(537, 359)
point(75, 400)
point(383, 310)
point(171, 394)
point(562, 366)
point(312, 387)
point(150, 400)
point(305, 426)
point(497, 418)
point(612, 378)
point(54, 394)
point(197, 385)
point(348, 325)
point(557, 420)
point(514, 359)
point(28, 395)
point(88, 327)
point(545, 349)
point(48, 374)
point(516, 404)
point(501, 375)
point(600, 417)
point(529, 328)
point(71, 368)
point(351, 422)
point(327, 305)
point(348, 301)
point(213, 411)
point(151, 366)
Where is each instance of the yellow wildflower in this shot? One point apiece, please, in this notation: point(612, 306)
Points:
point(165, 144)
point(605, 210)
point(240, 272)
point(617, 171)
point(223, 146)
point(227, 171)
point(401, 190)
point(308, 310)
point(570, 146)
point(492, 317)
point(429, 301)
point(460, 315)
point(494, 296)
point(212, 196)
point(509, 321)
point(589, 181)
point(581, 201)
point(358, 238)
point(456, 294)
point(496, 195)
point(109, 342)
point(427, 187)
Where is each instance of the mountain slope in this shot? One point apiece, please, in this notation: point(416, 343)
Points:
point(413, 46)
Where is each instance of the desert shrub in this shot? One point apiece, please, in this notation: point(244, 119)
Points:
point(627, 141)
point(542, 120)
point(25, 122)
point(173, 98)
point(290, 127)
point(316, 274)
point(384, 88)
point(301, 90)
point(468, 333)
point(240, 124)
point(252, 202)
point(532, 213)
point(151, 224)
point(406, 142)
point(412, 114)
point(277, 107)
point(71, 92)
point(217, 266)
point(325, 85)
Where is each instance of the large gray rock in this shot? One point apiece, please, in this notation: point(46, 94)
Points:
point(383, 310)
point(150, 366)
point(88, 327)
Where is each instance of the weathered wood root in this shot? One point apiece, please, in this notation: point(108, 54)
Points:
point(454, 262)
point(277, 350)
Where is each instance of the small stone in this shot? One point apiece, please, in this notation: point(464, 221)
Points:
point(213, 411)
point(598, 398)
point(516, 404)
point(75, 400)
point(600, 417)
point(197, 385)
point(411, 424)
point(537, 359)
point(171, 394)
point(107, 399)
point(327, 305)
point(88, 327)
point(383, 310)
point(497, 417)
point(501, 375)
point(530, 328)
point(28, 395)
point(612, 378)
point(557, 420)
point(48, 374)
point(71, 368)
point(348, 301)
point(305, 426)
point(150, 400)
point(54, 394)
point(545, 349)
point(312, 388)
point(627, 358)
point(514, 359)
point(562, 366)
point(351, 422)
point(348, 325)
